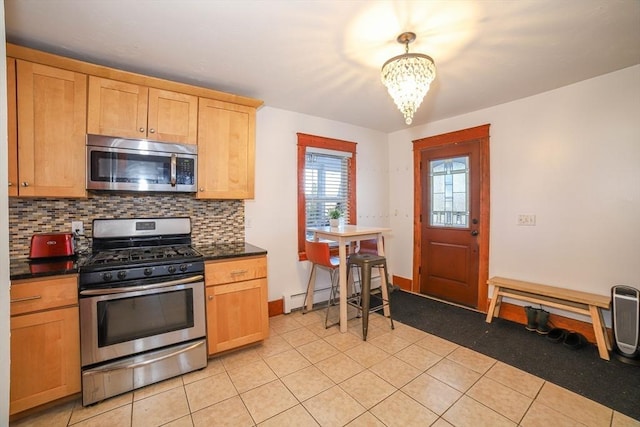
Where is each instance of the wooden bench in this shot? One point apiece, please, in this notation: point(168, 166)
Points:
point(551, 296)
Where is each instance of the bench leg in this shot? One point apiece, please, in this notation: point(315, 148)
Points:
point(601, 336)
point(494, 307)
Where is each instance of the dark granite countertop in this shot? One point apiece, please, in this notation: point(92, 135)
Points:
point(23, 268)
point(229, 250)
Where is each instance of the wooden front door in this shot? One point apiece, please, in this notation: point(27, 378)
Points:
point(452, 223)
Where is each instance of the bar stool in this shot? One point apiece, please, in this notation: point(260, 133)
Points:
point(365, 262)
point(369, 246)
point(319, 255)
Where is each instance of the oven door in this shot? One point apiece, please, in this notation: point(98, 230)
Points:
point(119, 322)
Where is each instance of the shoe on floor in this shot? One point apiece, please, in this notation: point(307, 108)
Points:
point(557, 335)
point(542, 317)
point(532, 314)
point(574, 340)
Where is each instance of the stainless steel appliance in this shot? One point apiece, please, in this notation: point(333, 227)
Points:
point(140, 165)
point(142, 306)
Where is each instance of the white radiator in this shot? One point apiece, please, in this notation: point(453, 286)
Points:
point(296, 301)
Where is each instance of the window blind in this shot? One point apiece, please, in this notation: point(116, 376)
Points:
point(326, 185)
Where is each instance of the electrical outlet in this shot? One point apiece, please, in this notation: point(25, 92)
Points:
point(526, 219)
point(77, 227)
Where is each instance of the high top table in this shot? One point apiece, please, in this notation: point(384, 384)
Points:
point(344, 235)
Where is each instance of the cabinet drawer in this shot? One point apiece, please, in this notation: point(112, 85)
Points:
point(41, 294)
point(217, 272)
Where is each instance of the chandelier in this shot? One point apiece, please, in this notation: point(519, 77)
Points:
point(408, 77)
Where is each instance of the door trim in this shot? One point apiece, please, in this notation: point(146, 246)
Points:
point(481, 134)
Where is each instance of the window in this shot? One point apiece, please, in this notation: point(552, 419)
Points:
point(449, 195)
point(326, 179)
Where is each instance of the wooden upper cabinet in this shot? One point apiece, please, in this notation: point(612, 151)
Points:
point(12, 127)
point(173, 117)
point(117, 108)
point(226, 150)
point(52, 112)
point(129, 110)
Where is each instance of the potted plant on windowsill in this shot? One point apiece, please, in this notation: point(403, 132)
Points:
point(334, 217)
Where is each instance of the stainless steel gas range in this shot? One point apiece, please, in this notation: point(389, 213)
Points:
point(142, 306)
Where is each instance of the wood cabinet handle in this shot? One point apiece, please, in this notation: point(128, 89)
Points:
point(238, 272)
point(26, 298)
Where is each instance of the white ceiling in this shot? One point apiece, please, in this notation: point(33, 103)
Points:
point(323, 58)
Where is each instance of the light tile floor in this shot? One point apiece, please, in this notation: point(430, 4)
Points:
point(306, 375)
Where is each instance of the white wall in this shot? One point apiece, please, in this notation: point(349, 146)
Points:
point(4, 238)
point(271, 218)
point(570, 156)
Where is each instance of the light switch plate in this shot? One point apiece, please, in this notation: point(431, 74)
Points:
point(527, 219)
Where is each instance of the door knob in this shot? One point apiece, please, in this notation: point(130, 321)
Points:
point(474, 233)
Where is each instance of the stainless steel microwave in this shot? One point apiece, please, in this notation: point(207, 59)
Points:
point(140, 165)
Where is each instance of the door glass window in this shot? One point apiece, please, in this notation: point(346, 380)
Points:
point(449, 192)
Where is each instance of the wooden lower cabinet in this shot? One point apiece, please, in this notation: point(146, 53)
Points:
point(45, 342)
point(237, 308)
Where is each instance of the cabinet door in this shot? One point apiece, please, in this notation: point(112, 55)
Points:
point(226, 150)
point(117, 108)
point(173, 117)
point(45, 357)
point(12, 130)
point(237, 314)
point(52, 111)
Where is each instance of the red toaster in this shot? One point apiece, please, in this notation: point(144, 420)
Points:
point(51, 245)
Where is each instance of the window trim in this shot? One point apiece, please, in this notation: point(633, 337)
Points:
point(304, 141)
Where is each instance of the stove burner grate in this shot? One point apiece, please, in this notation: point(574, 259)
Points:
point(133, 255)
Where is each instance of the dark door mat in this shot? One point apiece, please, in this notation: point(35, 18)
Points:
point(611, 383)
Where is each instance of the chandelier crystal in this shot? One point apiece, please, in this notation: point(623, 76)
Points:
point(408, 77)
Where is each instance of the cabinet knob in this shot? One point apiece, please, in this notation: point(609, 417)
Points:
point(25, 184)
point(10, 184)
point(210, 297)
point(141, 129)
point(201, 189)
point(152, 130)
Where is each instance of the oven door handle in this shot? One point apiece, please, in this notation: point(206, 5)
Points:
point(109, 291)
point(118, 366)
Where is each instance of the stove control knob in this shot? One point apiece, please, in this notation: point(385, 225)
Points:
point(148, 271)
point(122, 274)
point(106, 277)
point(172, 269)
point(183, 267)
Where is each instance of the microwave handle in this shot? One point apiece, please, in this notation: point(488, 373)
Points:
point(174, 179)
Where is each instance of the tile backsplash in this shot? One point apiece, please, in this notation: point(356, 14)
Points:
point(212, 221)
